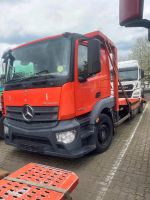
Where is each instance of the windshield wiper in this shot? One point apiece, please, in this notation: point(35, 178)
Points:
point(43, 71)
point(12, 81)
point(29, 78)
point(36, 76)
point(20, 79)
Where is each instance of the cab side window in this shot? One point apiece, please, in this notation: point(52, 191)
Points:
point(82, 60)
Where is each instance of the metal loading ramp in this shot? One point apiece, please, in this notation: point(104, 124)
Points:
point(38, 182)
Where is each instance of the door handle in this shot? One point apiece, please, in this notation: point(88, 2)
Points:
point(98, 94)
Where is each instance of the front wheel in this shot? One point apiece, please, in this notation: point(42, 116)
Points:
point(104, 133)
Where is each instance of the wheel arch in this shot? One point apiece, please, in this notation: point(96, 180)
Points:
point(108, 112)
point(103, 106)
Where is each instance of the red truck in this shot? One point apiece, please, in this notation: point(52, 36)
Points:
point(57, 98)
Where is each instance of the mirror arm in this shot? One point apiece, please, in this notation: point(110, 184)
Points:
point(145, 23)
point(82, 79)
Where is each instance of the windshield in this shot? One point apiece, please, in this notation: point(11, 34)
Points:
point(46, 58)
point(128, 74)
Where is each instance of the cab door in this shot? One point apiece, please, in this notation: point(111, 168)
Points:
point(87, 92)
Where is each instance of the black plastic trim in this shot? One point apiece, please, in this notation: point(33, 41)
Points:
point(100, 106)
point(44, 141)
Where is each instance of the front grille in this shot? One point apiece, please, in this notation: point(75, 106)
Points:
point(43, 116)
point(126, 87)
point(129, 94)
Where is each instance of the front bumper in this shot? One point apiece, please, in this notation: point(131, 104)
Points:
point(44, 141)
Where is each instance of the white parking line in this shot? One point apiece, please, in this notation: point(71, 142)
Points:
point(108, 179)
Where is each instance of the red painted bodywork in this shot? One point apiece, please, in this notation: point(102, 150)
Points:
point(56, 96)
point(135, 102)
point(85, 92)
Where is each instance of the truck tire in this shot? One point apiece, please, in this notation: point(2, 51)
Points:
point(104, 133)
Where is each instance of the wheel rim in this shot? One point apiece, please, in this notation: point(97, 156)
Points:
point(103, 134)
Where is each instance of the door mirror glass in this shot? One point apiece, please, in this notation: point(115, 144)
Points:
point(130, 10)
point(94, 65)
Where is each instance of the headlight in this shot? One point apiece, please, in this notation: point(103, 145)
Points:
point(6, 130)
point(136, 94)
point(66, 137)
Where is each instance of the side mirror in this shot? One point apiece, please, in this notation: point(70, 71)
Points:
point(131, 14)
point(94, 65)
point(130, 10)
point(142, 74)
point(82, 79)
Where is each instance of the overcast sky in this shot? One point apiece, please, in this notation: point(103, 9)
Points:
point(26, 20)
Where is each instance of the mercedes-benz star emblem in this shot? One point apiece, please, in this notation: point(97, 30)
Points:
point(28, 113)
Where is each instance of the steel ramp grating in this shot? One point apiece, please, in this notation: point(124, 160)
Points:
point(39, 175)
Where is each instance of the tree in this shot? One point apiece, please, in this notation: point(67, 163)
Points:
point(141, 52)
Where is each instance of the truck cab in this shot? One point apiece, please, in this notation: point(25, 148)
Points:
point(131, 75)
point(57, 95)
